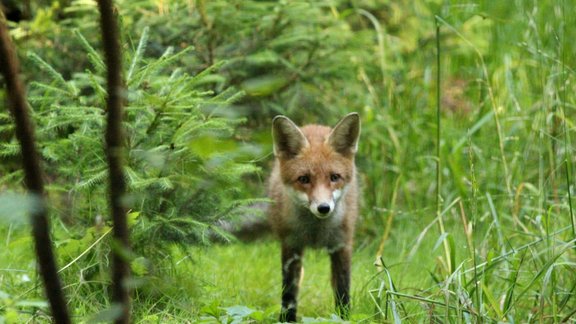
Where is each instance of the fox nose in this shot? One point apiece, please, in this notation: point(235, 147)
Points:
point(324, 208)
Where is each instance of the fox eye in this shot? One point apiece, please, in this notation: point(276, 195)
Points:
point(304, 179)
point(335, 177)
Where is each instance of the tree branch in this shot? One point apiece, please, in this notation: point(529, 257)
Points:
point(114, 153)
point(9, 67)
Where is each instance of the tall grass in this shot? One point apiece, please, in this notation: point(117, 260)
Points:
point(466, 163)
point(512, 216)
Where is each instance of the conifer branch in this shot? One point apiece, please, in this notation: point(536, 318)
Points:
point(114, 153)
point(17, 104)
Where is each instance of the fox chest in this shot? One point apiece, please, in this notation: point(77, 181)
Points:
point(305, 230)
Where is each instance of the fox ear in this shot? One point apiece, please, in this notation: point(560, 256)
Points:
point(344, 136)
point(288, 138)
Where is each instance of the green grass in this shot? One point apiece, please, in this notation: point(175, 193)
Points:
point(467, 177)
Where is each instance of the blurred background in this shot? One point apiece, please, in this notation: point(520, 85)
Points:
point(466, 155)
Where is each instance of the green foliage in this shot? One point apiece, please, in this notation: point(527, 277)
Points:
point(178, 181)
point(235, 314)
point(204, 78)
point(285, 55)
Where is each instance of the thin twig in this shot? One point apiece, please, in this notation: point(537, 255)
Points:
point(9, 67)
point(114, 151)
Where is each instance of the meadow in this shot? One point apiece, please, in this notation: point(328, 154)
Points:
point(466, 157)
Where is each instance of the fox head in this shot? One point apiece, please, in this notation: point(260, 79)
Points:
point(316, 162)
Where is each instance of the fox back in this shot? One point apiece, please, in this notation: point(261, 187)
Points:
point(315, 199)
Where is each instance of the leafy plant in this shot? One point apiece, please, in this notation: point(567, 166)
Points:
point(182, 168)
point(204, 78)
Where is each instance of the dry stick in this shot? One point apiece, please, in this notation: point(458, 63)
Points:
point(33, 177)
point(114, 149)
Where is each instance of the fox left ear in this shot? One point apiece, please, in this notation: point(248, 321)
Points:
point(288, 138)
point(344, 136)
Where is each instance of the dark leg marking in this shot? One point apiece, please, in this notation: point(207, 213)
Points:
point(340, 261)
point(291, 273)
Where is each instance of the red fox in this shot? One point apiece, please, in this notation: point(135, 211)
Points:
point(314, 196)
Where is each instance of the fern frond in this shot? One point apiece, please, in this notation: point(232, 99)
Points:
point(93, 56)
point(134, 179)
point(194, 127)
point(47, 88)
point(155, 66)
point(56, 76)
point(138, 54)
point(6, 124)
point(9, 149)
point(95, 179)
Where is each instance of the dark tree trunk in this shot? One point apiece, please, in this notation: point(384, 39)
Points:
point(114, 153)
point(33, 177)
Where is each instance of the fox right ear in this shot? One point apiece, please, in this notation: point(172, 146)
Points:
point(344, 136)
point(288, 138)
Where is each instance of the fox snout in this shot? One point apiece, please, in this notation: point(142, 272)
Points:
point(322, 202)
point(322, 209)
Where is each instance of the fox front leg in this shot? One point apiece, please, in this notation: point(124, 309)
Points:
point(291, 275)
point(340, 262)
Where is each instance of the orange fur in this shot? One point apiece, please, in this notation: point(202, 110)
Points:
point(318, 160)
point(315, 200)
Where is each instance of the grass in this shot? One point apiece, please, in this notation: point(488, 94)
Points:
point(466, 162)
point(226, 275)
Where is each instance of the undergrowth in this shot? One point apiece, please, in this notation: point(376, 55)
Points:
point(466, 156)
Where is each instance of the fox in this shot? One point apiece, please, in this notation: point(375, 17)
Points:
point(314, 202)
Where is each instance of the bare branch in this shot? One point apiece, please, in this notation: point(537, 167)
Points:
point(9, 67)
point(114, 151)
